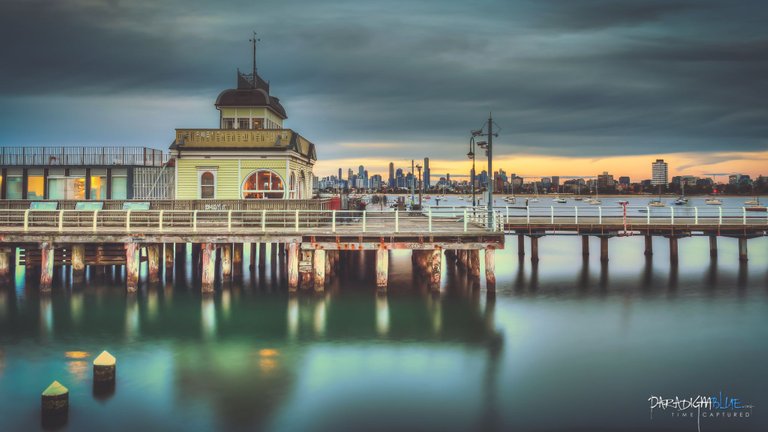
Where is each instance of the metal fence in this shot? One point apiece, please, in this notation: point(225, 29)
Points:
point(60, 156)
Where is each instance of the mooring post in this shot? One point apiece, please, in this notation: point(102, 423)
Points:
point(55, 405)
point(490, 268)
point(46, 266)
point(743, 250)
point(382, 266)
point(226, 261)
point(132, 260)
point(604, 249)
point(474, 263)
point(318, 265)
point(648, 245)
point(104, 371)
point(293, 266)
point(520, 245)
point(534, 248)
point(208, 273)
point(585, 245)
point(237, 261)
point(168, 257)
point(673, 249)
point(78, 262)
point(435, 270)
point(713, 246)
point(153, 262)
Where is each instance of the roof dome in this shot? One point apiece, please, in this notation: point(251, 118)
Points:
point(250, 93)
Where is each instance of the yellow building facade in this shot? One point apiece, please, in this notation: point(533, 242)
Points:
point(250, 156)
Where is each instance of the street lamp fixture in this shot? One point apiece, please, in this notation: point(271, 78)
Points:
point(418, 168)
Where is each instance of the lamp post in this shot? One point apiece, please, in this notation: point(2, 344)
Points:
point(471, 155)
point(418, 167)
point(488, 146)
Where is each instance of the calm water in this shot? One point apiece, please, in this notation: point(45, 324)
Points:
point(564, 345)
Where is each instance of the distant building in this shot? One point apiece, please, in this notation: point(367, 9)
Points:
point(391, 180)
point(605, 181)
point(659, 173)
point(624, 180)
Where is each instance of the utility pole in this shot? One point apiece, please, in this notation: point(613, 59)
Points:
point(418, 167)
point(490, 168)
point(413, 180)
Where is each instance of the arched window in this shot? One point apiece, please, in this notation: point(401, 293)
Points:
point(263, 184)
point(207, 185)
point(292, 186)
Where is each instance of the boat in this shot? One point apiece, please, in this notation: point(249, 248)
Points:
point(756, 208)
point(680, 201)
point(713, 201)
point(559, 200)
point(578, 198)
point(596, 199)
point(656, 203)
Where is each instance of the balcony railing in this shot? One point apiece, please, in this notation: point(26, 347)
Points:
point(68, 156)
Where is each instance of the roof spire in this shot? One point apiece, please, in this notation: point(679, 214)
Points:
point(253, 40)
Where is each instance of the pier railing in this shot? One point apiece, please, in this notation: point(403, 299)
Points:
point(87, 156)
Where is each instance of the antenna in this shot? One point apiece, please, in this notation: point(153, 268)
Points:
point(253, 40)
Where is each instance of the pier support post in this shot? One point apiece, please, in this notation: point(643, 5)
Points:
point(273, 255)
point(474, 262)
point(743, 250)
point(196, 262)
point(208, 273)
point(435, 270)
point(5, 266)
point(520, 245)
point(318, 267)
point(46, 266)
point(534, 248)
point(673, 249)
point(252, 264)
point(382, 267)
point(262, 255)
point(713, 247)
point(293, 266)
point(226, 261)
point(153, 262)
point(585, 245)
point(78, 262)
point(237, 261)
point(462, 258)
point(168, 258)
point(490, 268)
point(99, 269)
point(180, 253)
point(648, 245)
point(603, 249)
point(132, 260)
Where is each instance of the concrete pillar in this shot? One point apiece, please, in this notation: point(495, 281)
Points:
point(382, 266)
point(226, 261)
point(153, 262)
point(168, 257)
point(208, 271)
point(585, 245)
point(318, 267)
point(46, 266)
point(534, 249)
point(262, 255)
point(474, 262)
point(520, 245)
point(743, 257)
point(78, 262)
point(648, 245)
point(5, 267)
point(132, 260)
point(673, 249)
point(604, 249)
point(435, 270)
point(713, 247)
point(237, 261)
point(490, 268)
point(293, 266)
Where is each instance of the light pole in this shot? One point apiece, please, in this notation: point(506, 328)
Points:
point(488, 146)
point(471, 155)
point(418, 167)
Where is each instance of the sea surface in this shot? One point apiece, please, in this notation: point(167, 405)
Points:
point(565, 344)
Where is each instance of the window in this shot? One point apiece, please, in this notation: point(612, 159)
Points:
point(258, 123)
point(15, 184)
point(228, 123)
point(242, 123)
point(207, 184)
point(60, 186)
point(35, 184)
point(292, 186)
point(119, 184)
point(263, 184)
point(98, 184)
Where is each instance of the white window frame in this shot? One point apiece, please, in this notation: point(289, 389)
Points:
point(200, 172)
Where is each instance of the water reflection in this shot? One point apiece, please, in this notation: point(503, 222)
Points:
point(382, 315)
point(208, 317)
point(132, 324)
point(46, 317)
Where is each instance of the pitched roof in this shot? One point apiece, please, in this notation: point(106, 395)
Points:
point(251, 91)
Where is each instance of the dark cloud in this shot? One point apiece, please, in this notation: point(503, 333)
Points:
point(591, 77)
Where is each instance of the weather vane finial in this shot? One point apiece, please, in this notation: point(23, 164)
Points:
point(253, 40)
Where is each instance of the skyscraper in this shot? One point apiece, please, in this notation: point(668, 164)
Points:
point(391, 181)
point(427, 182)
point(659, 173)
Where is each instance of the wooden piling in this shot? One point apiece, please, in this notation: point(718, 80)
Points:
point(55, 405)
point(490, 268)
point(153, 262)
point(208, 271)
point(99, 269)
point(604, 249)
point(293, 266)
point(273, 255)
point(168, 258)
point(534, 248)
point(226, 261)
point(78, 262)
point(252, 264)
point(743, 256)
point(46, 266)
point(132, 261)
point(474, 262)
point(585, 245)
point(318, 267)
point(713, 247)
point(5, 267)
point(435, 270)
point(262, 255)
point(382, 267)
point(520, 245)
point(180, 253)
point(237, 261)
point(648, 245)
point(673, 249)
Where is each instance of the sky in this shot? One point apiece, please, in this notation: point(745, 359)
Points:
point(576, 87)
